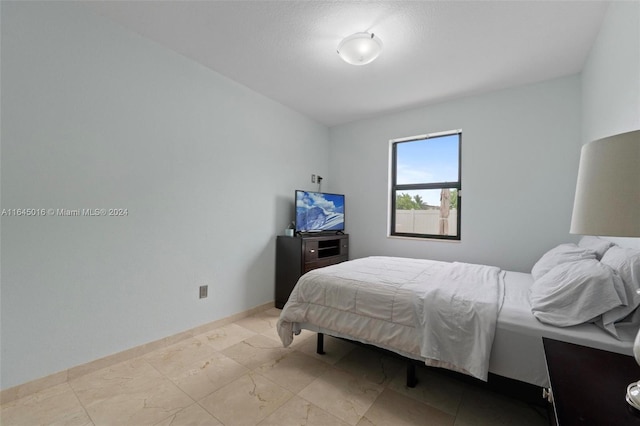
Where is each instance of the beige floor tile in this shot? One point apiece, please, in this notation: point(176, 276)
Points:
point(394, 409)
point(255, 351)
point(129, 393)
point(104, 383)
point(294, 372)
point(480, 407)
point(376, 366)
point(260, 322)
point(223, 337)
point(205, 377)
point(57, 405)
point(176, 358)
point(300, 412)
point(342, 394)
point(194, 415)
point(302, 337)
point(272, 333)
point(246, 401)
point(274, 311)
point(335, 349)
point(297, 339)
point(348, 385)
point(434, 388)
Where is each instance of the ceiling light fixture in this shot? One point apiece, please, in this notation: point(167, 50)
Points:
point(360, 48)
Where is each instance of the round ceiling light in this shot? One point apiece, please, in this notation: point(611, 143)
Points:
point(360, 48)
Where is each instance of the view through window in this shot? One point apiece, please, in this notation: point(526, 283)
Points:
point(426, 186)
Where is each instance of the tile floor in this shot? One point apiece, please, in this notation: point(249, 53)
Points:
point(240, 374)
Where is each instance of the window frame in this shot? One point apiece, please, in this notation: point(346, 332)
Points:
point(394, 187)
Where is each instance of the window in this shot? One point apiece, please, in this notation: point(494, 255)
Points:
point(425, 186)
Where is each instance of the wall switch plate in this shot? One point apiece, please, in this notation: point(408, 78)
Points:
point(203, 291)
point(313, 178)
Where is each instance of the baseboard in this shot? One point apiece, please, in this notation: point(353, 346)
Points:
point(37, 385)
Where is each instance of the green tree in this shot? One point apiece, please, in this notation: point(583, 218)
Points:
point(405, 202)
point(453, 201)
point(419, 202)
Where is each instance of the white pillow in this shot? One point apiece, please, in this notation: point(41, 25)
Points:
point(596, 244)
point(558, 255)
point(574, 292)
point(625, 262)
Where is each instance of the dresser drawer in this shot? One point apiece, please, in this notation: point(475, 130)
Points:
point(321, 263)
point(310, 251)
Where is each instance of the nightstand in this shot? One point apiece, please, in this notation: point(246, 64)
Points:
point(589, 385)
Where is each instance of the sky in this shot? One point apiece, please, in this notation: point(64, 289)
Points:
point(428, 161)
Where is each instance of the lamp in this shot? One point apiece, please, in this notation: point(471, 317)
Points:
point(607, 201)
point(360, 48)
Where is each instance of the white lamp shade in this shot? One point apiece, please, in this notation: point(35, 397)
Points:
point(360, 48)
point(607, 201)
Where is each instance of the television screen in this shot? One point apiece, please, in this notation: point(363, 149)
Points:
point(319, 211)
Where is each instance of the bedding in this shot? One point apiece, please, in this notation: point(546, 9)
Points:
point(457, 311)
point(596, 244)
point(564, 253)
point(623, 321)
point(377, 304)
point(444, 313)
point(571, 286)
point(517, 351)
point(575, 292)
point(626, 263)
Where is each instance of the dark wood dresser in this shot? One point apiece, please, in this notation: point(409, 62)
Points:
point(300, 254)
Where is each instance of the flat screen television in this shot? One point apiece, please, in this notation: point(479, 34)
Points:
point(319, 212)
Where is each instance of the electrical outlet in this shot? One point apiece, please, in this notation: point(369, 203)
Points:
point(204, 289)
point(313, 178)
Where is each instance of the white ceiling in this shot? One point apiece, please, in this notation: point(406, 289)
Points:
point(433, 50)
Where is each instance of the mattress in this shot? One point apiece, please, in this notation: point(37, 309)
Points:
point(517, 350)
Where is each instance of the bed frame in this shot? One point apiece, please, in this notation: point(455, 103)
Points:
point(526, 392)
point(412, 379)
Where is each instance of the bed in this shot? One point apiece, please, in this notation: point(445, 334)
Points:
point(389, 302)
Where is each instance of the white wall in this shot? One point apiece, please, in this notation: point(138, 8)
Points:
point(94, 116)
point(611, 75)
point(611, 80)
point(520, 151)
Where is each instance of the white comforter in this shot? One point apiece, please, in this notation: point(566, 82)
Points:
point(444, 313)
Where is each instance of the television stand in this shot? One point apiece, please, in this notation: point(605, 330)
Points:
point(318, 233)
point(300, 254)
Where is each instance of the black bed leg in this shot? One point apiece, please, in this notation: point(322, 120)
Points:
point(320, 344)
point(412, 379)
